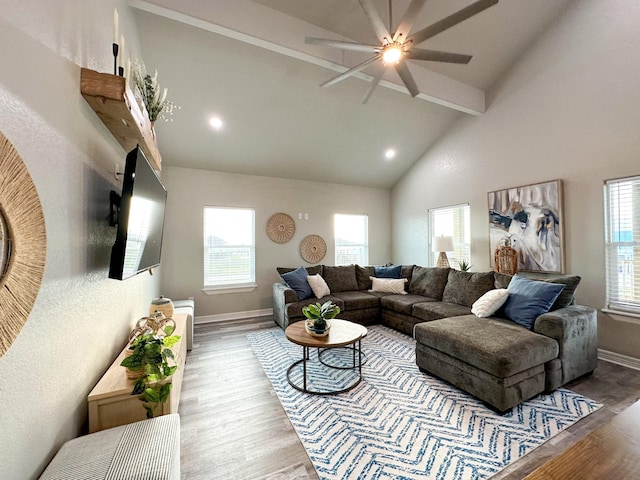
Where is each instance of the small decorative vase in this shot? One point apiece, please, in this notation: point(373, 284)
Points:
point(162, 304)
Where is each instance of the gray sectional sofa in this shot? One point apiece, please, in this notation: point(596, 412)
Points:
point(495, 359)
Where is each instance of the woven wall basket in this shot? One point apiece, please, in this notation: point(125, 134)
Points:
point(23, 219)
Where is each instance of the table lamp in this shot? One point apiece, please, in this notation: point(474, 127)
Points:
point(442, 244)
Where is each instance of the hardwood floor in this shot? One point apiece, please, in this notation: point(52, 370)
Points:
point(233, 426)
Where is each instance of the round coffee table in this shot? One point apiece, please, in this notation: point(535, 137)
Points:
point(341, 334)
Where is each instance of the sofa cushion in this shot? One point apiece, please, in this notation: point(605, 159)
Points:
point(464, 288)
point(313, 270)
point(429, 311)
point(318, 285)
point(358, 300)
point(297, 280)
point(528, 299)
point(490, 302)
point(391, 271)
point(388, 285)
point(566, 297)
point(363, 275)
point(501, 280)
point(403, 303)
point(295, 309)
point(428, 282)
point(496, 346)
point(341, 278)
point(407, 272)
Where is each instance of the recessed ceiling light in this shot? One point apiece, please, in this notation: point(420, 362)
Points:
point(216, 123)
point(389, 154)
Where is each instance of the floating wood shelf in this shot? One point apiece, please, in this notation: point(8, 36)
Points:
point(118, 109)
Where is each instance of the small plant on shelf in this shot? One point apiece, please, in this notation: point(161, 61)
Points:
point(148, 359)
point(155, 102)
point(319, 314)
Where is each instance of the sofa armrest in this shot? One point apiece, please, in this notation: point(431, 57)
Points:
point(575, 328)
point(282, 295)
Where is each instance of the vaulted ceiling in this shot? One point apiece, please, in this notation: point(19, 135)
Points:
point(246, 62)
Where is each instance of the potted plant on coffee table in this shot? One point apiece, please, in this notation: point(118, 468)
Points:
point(317, 316)
point(151, 361)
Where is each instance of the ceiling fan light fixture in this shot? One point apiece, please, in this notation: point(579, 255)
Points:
point(392, 53)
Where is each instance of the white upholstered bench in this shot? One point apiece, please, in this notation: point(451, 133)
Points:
point(146, 450)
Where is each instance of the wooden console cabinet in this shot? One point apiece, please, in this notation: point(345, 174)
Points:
point(111, 403)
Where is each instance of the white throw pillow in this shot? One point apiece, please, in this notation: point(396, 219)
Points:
point(388, 285)
point(318, 285)
point(490, 302)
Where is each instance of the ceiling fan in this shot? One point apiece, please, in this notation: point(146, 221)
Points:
point(397, 47)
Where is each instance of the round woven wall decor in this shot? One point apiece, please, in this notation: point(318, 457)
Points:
point(25, 255)
point(313, 248)
point(280, 227)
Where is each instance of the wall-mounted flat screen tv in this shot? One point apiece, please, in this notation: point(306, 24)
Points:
point(140, 219)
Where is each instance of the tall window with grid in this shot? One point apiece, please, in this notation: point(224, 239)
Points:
point(351, 236)
point(622, 244)
point(452, 221)
point(229, 247)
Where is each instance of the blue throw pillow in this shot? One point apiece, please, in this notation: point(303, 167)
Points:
point(394, 271)
point(297, 280)
point(528, 299)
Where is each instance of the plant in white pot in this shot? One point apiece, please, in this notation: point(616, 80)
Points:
point(317, 316)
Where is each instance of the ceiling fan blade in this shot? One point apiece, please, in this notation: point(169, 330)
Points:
point(407, 20)
point(374, 82)
point(448, 22)
point(436, 56)
point(407, 78)
point(359, 47)
point(349, 72)
point(376, 21)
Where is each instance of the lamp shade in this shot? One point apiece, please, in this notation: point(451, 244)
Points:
point(442, 244)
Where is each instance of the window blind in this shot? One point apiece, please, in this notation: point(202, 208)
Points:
point(229, 246)
point(622, 244)
point(451, 221)
point(351, 239)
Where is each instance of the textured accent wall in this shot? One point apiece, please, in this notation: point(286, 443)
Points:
point(81, 319)
point(567, 109)
point(191, 190)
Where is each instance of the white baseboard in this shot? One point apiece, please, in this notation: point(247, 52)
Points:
point(223, 317)
point(619, 359)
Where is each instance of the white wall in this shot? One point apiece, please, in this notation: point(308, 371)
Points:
point(190, 190)
point(81, 319)
point(568, 109)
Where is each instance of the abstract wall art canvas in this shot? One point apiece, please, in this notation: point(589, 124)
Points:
point(530, 219)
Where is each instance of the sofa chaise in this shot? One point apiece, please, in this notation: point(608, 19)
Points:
point(492, 357)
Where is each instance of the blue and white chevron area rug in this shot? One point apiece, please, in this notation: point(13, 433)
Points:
point(400, 423)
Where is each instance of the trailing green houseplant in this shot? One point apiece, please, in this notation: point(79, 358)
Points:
point(320, 314)
point(150, 354)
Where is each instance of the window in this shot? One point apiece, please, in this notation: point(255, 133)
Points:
point(351, 234)
point(229, 247)
point(622, 244)
point(451, 221)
